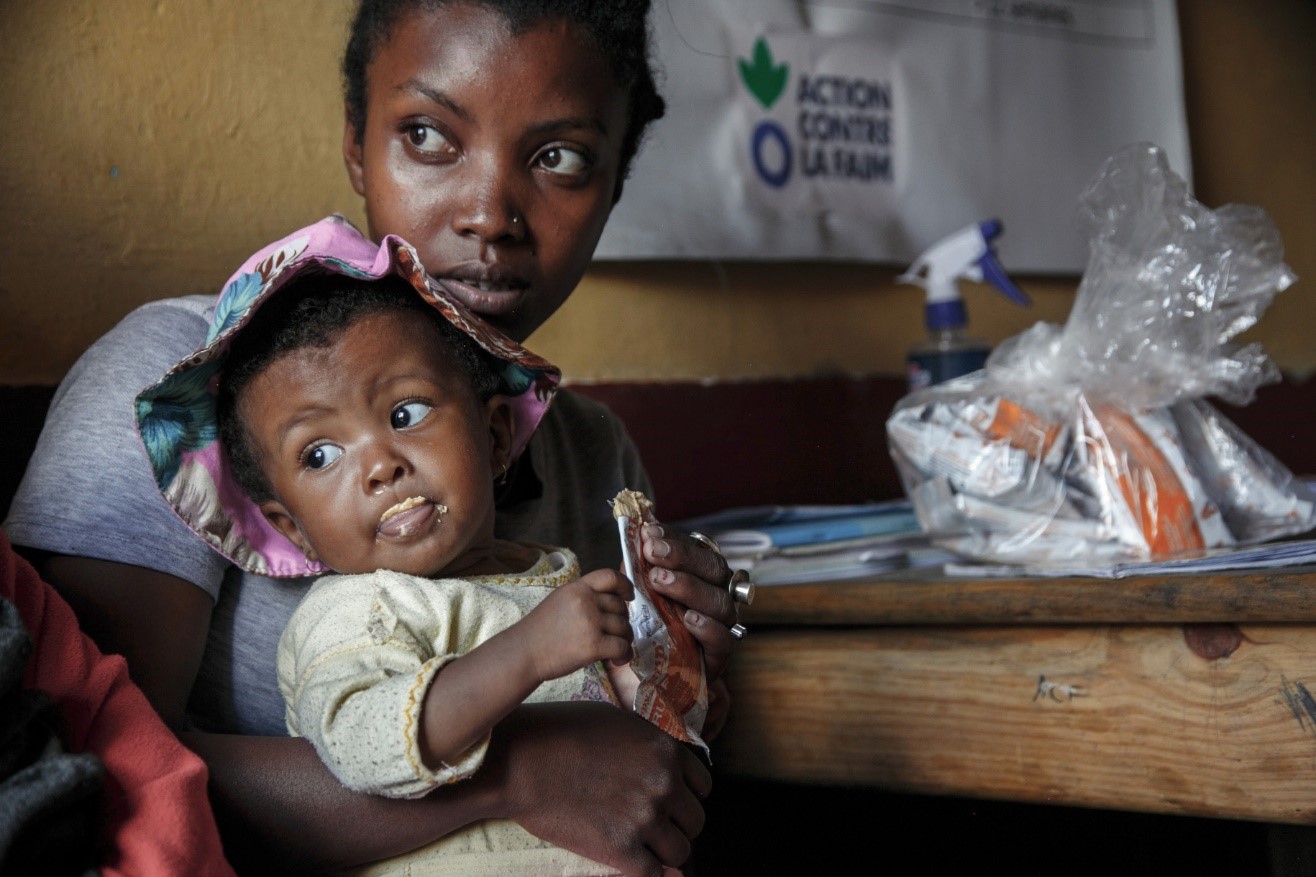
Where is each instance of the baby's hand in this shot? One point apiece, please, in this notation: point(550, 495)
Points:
point(579, 623)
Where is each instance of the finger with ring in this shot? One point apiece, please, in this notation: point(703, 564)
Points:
point(741, 588)
point(705, 541)
point(738, 631)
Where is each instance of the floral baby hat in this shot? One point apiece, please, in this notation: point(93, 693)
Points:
point(175, 417)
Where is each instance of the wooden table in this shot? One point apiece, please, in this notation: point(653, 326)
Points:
point(1162, 693)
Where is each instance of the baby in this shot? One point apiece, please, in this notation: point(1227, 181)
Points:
point(370, 431)
point(366, 430)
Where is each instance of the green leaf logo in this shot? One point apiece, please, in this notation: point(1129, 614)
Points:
point(763, 79)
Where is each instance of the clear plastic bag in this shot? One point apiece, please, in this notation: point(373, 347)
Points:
point(1092, 441)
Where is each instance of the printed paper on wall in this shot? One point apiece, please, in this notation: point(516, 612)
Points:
point(866, 130)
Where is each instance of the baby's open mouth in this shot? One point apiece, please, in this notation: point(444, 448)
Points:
point(410, 517)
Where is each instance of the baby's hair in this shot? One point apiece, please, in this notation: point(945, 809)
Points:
point(619, 28)
point(315, 313)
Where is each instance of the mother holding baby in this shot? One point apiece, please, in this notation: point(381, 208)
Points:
point(495, 138)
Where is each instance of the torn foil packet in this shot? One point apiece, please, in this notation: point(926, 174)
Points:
point(668, 661)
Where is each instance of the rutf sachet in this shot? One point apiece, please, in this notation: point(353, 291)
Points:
point(672, 693)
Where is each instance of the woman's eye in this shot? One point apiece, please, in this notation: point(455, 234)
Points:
point(426, 138)
point(409, 415)
point(322, 455)
point(561, 160)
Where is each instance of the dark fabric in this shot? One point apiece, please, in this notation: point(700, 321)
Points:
point(521, 484)
point(50, 800)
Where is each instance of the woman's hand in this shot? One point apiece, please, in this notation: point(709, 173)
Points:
point(639, 808)
point(696, 577)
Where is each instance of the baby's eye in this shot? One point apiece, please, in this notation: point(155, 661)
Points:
point(561, 160)
point(427, 139)
point(321, 455)
point(410, 414)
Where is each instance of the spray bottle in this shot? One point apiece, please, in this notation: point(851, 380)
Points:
point(965, 255)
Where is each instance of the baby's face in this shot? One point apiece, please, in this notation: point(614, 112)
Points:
point(379, 452)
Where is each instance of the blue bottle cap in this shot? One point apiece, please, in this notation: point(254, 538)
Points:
point(945, 315)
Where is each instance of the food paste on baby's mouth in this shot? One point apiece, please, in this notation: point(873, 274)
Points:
point(407, 526)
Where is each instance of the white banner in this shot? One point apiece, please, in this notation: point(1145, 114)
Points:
point(866, 130)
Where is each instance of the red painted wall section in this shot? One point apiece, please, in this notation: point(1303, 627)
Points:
point(710, 447)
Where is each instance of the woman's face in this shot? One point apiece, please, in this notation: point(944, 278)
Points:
point(495, 155)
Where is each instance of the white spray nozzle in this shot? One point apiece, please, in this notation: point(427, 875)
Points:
point(965, 255)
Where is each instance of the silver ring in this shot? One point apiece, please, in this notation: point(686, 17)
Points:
point(738, 631)
point(741, 588)
point(705, 541)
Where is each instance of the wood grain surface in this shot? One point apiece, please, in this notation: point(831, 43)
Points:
point(1213, 720)
point(929, 597)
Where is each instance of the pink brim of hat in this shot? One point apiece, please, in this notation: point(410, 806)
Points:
point(176, 416)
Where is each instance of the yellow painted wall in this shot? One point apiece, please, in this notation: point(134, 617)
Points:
point(147, 146)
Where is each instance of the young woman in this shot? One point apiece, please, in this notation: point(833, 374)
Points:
point(495, 138)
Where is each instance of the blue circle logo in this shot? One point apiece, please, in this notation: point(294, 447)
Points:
point(771, 151)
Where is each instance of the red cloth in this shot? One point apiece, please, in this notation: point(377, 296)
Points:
point(158, 818)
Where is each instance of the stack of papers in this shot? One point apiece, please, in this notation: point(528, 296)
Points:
point(797, 544)
point(793, 544)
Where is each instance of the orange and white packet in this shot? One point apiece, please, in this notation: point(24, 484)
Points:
point(668, 661)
